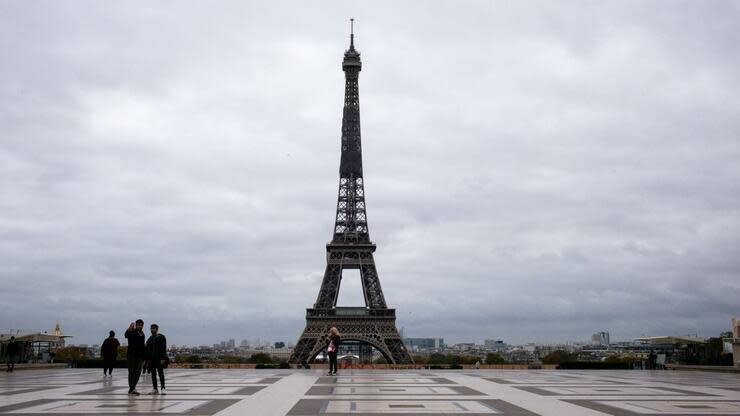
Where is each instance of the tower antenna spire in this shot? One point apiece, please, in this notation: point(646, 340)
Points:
point(352, 33)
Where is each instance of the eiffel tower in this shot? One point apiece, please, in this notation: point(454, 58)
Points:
point(351, 248)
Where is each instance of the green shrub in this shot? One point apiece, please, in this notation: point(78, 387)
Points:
point(593, 365)
point(493, 358)
point(234, 359)
point(70, 354)
point(191, 359)
point(445, 367)
point(98, 363)
point(454, 359)
point(420, 359)
point(557, 357)
point(260, 358)
point(437, 358)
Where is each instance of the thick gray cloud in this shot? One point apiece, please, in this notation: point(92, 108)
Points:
point(535, 171)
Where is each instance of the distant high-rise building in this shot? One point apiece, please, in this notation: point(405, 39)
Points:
point(244, 343)
point(231, 344)
point(600, 338)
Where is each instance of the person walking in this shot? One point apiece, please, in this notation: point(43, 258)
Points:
point(156, 354)
point(109, 352)
point(332, 348)
point(652, 358)
point(135, 354)
point(12, 352)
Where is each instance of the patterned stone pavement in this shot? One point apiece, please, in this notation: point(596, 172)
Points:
point(364, 392)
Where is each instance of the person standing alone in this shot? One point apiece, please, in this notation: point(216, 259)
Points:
point(156, 353)
point(332, 349)
point(109, 352)
point(12, 352)
point(135, 354)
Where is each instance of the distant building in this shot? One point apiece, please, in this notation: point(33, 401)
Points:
point(35, 347)
point(424, 344)
point(670, 340)
point(494, 345)
point(279, 353)
point(464, 346)
point(231, 344)
point(600, 338)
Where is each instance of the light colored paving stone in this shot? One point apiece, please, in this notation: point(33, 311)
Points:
point(662, 407)
point(163, 406)
point(309, 392)
point(409, 406)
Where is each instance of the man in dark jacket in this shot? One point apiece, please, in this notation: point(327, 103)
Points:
point(109, 352)
point(156, 354)
point(135, 355)
point(12, 353)
point(652, 359)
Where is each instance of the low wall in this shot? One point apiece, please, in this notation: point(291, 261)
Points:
point(42, 366)
point(381, 366)
point(514, 367)
point(720, 368)
point(212, 365)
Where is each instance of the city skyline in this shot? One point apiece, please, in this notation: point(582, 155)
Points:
point(536, 172)
point(253, 341)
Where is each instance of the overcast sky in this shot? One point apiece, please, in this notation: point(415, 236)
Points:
point(534, 171)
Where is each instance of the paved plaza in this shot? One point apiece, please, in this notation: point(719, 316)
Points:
point(364, 392)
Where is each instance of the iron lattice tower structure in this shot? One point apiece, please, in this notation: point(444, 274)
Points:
point(351, 248)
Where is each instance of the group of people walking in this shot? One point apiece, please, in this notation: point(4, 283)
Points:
point(143, 355)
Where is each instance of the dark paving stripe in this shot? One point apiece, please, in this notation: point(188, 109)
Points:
point(379, 380)
point(209, 409)
point(313, 407)
point(269, 380)
point(613, 411)
point(585, 382)
point(172, 391)
point(676, 392)
point(392, 390)
point(27, 390)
